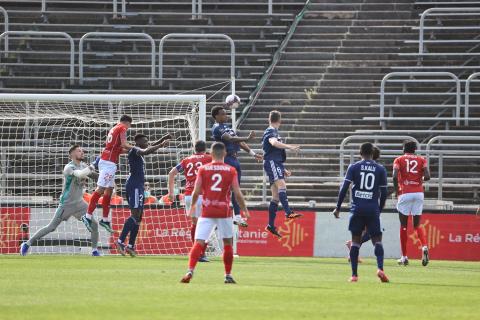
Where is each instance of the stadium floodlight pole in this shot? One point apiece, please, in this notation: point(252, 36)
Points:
point(5, 24)
point(116, 34)
point(200, 36)
point(362, 138)
point(49, 33)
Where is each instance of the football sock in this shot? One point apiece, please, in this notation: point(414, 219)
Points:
point(106, 206)
point(93, 203)
point(192, 232)
point(272, 213)
point(195, 254)
point(127, 228)
point(134, 233)
point(379, 254)
point(354, 251)
point(403, 240)
point(421, 236)
point(282, 194)
point(228, 258)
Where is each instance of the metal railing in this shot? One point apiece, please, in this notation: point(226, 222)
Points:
point(116, 34)
point(471, 78)
point(197, 8)
point(366, 138)
point(387, 77)
point(443, 12)
point(201, 36)
point(115, 8)
point(47, 33)
point(5, 24)
point(441, 154)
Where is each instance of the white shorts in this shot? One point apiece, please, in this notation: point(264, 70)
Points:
point(106, 174)
point(205, 227)
point(410, 203)
point(188, 205)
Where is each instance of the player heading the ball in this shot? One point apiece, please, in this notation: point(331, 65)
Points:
point(215, 181)
point(115, 144)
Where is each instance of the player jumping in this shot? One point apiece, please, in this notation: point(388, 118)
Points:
point(215, 181)
point(135, 190)
point(274, 157)
point(409, 172)
point(221, 132)
point(369, 186)
point(115, 145)
point(189, 167)
point(71, 200)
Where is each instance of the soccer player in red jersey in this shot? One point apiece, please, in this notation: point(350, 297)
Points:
point(409, 172)
point(215, 181)
point(189, 167)
point(115, 145)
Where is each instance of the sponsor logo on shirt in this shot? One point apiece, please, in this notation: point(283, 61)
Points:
point(363, 195)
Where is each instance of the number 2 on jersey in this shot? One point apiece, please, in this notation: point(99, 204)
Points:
point(217, 179)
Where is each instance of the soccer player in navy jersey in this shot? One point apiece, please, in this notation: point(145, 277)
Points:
point(221, 132)
point(369, 194)
point(273, 160)
point(135, 190)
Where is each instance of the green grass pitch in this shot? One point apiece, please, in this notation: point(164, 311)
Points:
point(120, 288)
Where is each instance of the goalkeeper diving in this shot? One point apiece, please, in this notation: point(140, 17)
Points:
point(71, 203)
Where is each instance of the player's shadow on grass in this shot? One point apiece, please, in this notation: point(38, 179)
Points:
point(437, 285)
point(294, 287)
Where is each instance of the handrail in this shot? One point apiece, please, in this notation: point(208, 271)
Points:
point(440, 158)
point(115, 8)
point(268, 73)
point(467, 94)
point(49, 33)
point(372, 137)
point(421, 74)
point(439, 10)
point(197, 8)
point(5, 23)
point(201, 36)
point(116, 34)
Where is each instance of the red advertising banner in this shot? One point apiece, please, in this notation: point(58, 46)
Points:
point(449, 236)
point(297, 240)
point(162, 231)
point(14, 228)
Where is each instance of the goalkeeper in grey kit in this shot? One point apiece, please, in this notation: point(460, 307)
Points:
point(71, 200)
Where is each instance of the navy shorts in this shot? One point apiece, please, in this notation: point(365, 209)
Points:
point(135, 195)
point(358, 223)
point(274, 170)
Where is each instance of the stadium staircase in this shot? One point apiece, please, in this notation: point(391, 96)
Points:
point(328, 79)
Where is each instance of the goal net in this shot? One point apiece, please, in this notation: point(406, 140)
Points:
point(36, 132)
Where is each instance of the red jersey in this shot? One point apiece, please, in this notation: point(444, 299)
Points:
point(190, 166)
point(113, 148)
point(410, 173)
point(216, 179)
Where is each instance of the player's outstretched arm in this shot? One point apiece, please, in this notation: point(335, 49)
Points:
point(171, 183)
point(246, 148)
point(83, 173)
point(162, 140)
point(240, 199)
point(227, 137)
point(277, 144)
point(151, 149)
point(343, 191)
point(196, 193)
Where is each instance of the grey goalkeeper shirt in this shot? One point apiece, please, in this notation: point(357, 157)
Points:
point(72, 191)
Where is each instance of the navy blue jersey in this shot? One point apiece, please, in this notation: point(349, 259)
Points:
point(270, 152)
point(136, 164)
point(368, 177)
point(218, 130)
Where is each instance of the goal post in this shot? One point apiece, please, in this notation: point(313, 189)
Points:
point(36, 131)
